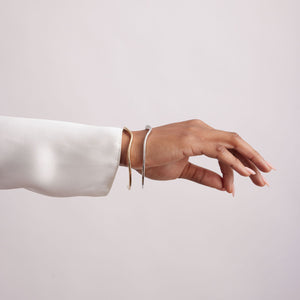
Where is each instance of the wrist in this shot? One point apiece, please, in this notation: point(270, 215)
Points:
point(136, 152)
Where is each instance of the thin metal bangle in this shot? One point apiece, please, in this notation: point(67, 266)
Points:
point(128, 156)
point(144, 152)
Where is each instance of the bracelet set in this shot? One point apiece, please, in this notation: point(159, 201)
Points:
point(144, 154)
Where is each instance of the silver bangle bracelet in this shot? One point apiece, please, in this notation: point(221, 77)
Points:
point(144, 152)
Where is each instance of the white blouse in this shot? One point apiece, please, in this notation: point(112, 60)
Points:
point(58, 158)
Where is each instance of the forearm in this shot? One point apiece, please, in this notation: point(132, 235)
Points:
point(58, 158)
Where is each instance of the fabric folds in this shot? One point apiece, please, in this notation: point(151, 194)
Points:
point(58, 158)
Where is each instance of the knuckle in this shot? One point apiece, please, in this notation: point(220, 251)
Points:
point(235, 163)
point(256, 153)
point(252, 157)
point(202, 175)
point(188, 172)
point(220, 148)
point(235, 135)
point(194, 121)
point(185, 171)
point(235, 138)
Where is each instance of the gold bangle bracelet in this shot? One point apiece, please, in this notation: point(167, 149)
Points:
point(128, 155)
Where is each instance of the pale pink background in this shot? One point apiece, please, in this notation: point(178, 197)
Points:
point(233, 64)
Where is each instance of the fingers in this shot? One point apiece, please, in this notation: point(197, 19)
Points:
point(257, 178)
point(221, 153)
point(228, 177)
point(203, 176)
point(234, 141)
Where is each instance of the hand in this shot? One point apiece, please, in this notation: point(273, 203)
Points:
point(170, 146)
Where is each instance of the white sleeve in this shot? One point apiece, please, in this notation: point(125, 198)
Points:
point(58, 158)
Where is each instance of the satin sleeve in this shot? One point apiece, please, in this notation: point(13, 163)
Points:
point(58, 158)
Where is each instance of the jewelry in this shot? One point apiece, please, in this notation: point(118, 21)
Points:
point(128, 156)
point(144, 153)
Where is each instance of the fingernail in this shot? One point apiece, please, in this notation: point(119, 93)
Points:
point(250, 171)
point(233, 191)
point(266, 182)
point(270, 166)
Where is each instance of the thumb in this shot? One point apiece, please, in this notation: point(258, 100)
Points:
point(203, 176)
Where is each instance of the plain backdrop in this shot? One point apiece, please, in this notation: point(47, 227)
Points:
point(233, 64)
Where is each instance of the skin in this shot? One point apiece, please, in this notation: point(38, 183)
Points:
point(170, 146)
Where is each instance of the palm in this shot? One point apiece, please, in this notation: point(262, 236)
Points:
point(168, 171)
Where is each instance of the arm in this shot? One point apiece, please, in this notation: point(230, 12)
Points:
point(63, 159)
point(58, 158)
